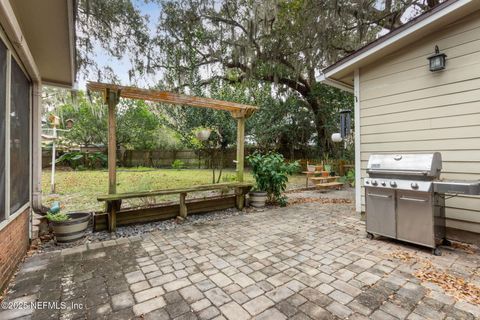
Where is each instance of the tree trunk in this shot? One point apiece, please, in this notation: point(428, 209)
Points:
point(322, 134)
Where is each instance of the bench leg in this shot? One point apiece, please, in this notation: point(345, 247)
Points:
point(112, 208)
point(183, 206)
point(112, 219)
point(239, 198)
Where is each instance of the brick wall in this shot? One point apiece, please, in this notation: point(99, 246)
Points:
point(13, 246)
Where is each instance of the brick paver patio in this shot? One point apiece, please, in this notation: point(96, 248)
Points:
point(308, 261)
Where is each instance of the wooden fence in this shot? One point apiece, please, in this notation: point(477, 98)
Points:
point(190, 158)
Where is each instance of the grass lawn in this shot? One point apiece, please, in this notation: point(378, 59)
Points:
point(78, 190)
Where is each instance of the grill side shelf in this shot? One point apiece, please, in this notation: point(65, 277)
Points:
point(457, 187)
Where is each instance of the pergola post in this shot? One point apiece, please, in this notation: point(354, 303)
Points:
point(240, 195)
point(111, 99)
point(240, 147)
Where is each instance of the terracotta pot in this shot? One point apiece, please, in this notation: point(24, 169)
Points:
point(325, 173)
point(257, 199)
point(319, 168)
point(72, 229)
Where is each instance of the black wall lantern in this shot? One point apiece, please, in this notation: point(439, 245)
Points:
point(437, 61)
point(345, 123)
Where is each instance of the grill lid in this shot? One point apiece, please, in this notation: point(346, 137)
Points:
point(427, 166)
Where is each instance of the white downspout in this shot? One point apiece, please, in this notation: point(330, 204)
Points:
point(358, 171)
point(37, 146)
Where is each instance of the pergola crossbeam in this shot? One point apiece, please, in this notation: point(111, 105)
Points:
point(173, 98)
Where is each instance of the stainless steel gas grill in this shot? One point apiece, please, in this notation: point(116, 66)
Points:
point(405, 199)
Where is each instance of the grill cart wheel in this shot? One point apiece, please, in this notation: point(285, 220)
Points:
point(446, 242)
point(437, 252)
point(370, 235)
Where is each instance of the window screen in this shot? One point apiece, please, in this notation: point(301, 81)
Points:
point(19, 138)
point(3, 75)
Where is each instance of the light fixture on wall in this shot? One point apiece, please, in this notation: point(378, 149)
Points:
point(437, 60)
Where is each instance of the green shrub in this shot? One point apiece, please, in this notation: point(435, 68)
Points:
point(178, 164)
point(349, 178)
point(83, 160)
point(271, 174)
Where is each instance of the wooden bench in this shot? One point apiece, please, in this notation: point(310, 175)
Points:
point(114, 201)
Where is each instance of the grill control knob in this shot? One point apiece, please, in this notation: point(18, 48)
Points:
point(374, 182)
point(414, 185)
point(367, 182)
point(384, 183)
point(393, 184)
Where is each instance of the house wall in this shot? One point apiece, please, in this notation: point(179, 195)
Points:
point(405, 108)
point(14, 243)
point(15, 212)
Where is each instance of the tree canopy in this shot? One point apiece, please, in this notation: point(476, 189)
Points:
point(138, 127)
point(223, 47)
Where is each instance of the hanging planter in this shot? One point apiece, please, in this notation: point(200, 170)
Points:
point(203, 134)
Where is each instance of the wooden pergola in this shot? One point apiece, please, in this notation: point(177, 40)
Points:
point(112, 93)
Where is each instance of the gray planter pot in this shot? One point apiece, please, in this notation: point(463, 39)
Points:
point(257, 199)
point(72, 229)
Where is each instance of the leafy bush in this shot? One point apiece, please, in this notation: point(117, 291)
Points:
point(178, 164)
point(271, 174)
point(349, 178)
point(57, 217)
point(80, 160)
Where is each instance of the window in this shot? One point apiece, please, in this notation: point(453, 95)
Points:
point(19, 138)
point(3, 82)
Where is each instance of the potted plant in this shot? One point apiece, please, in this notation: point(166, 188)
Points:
point(68, 227)
point(328, 167)
point(271, 176)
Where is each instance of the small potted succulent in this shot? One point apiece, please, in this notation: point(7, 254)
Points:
point(270, 172)
point(67, 227)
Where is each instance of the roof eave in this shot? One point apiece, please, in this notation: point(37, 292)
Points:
point(335, 83)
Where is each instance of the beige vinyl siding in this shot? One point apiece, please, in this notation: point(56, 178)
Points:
point(405, 108)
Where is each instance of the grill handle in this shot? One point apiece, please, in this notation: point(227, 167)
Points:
point(402, 172)
point(379, 195)
point(413, 199)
